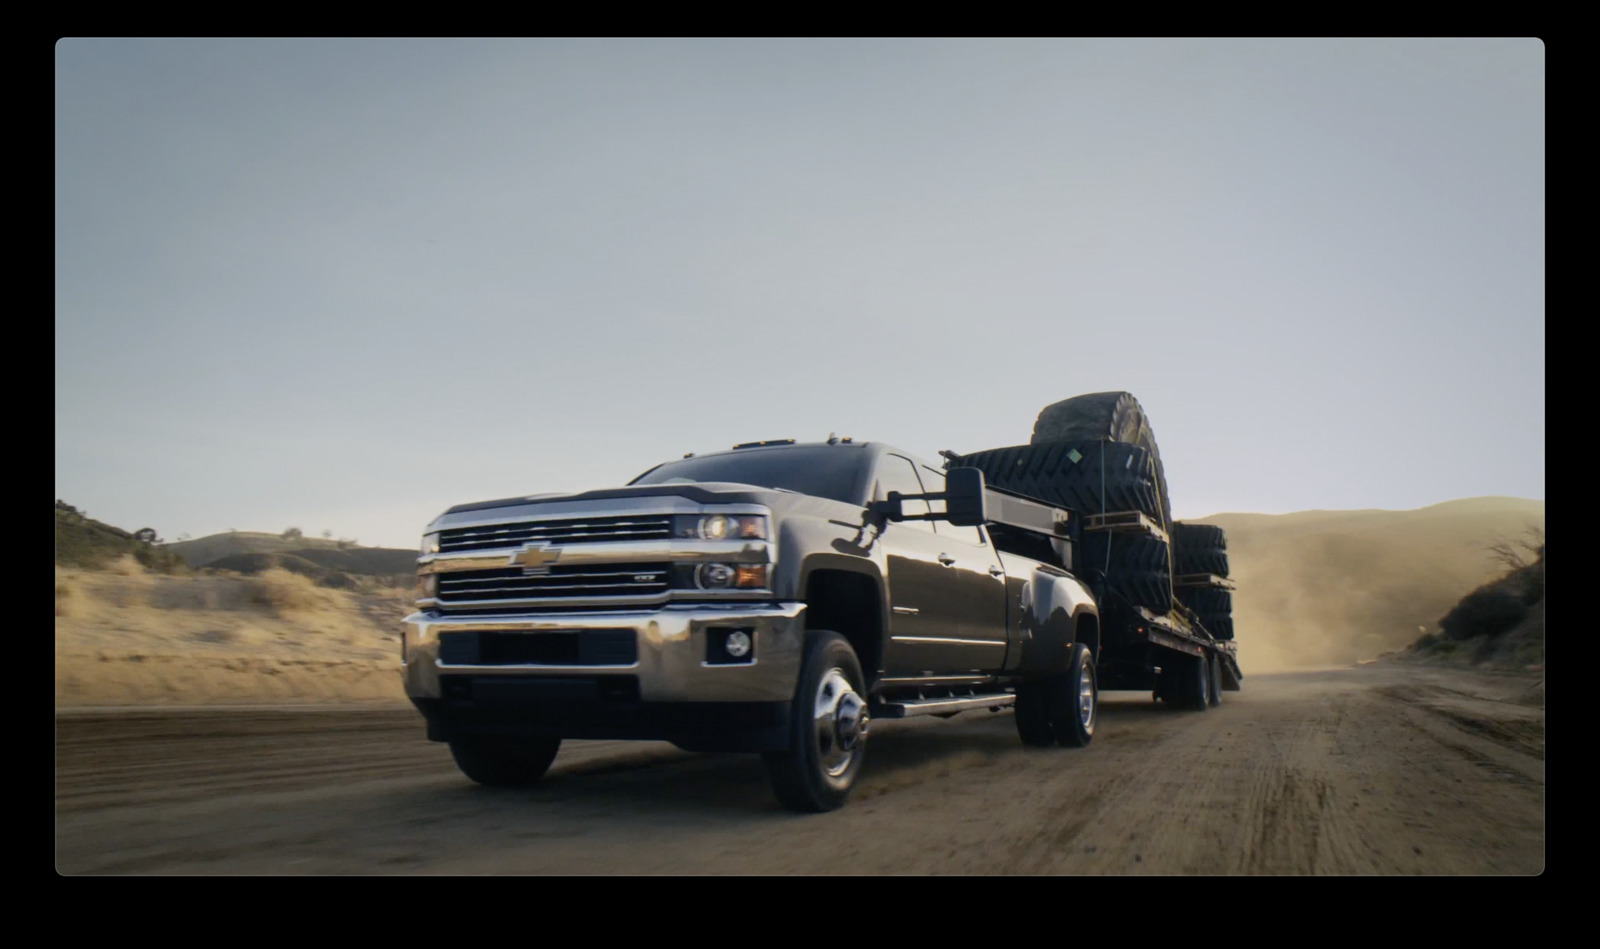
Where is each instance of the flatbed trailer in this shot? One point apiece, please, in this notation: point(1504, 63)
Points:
point(1138, 644)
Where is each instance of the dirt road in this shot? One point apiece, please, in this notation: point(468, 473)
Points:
point(1384, 769)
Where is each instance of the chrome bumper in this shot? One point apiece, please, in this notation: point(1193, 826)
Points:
point(671, 664)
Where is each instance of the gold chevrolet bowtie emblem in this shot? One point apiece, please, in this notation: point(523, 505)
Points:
point(536, 556)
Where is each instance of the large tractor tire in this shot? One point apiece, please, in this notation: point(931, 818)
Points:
point(1213, 607)
point(1199, 536)
point(1116, 416)
point(1199, 548)
point(1086, 476)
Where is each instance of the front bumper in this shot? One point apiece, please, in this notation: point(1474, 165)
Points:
point(671, 663)
point(668, 691)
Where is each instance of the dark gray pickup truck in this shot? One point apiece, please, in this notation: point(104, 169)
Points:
point(775, 598)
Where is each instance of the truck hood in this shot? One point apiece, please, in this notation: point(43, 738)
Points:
point(700, 492)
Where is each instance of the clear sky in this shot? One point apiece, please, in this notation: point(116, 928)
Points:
point(342, 284)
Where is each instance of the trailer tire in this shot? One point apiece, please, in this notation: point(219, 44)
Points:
point(827, 728)
point(1033, 714)
point(1114, 416)
point(1075, 700)
point(1214, 671)
point(504, 764)
point(1185, 682)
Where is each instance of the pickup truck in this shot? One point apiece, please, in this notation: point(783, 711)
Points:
point(774, 599)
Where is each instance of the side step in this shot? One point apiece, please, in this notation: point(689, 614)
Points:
point(943, 706)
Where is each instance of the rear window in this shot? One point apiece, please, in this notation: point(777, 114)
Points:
point(827, 471)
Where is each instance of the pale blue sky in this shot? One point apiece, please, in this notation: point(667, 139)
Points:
point(343, 284)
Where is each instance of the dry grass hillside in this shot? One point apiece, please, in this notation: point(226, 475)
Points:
point(127, 636)
point(1333, 587)
point(237, 547)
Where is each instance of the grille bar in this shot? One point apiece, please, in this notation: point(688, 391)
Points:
point(572, 531)
point(513, 584)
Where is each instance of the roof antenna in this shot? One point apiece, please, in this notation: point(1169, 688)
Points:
point(833, 438)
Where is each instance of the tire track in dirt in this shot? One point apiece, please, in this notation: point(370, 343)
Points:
point(1310, 773)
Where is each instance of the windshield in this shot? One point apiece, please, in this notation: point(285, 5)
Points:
point(819, 470)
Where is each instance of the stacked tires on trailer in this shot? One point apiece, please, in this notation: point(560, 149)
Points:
point(1096, 454)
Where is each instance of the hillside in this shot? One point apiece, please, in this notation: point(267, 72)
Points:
point(1333, 587)
point(330, 554)
point(82, 541)
point(124, 635)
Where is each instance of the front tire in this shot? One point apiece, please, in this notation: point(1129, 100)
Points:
point(827, 728)
point(505, 764)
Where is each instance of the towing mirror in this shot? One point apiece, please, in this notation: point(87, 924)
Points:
point(964, 496)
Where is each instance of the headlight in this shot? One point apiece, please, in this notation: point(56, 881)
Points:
point(722, 576)
point(427, 586)
point(430, 544)
point(720, 527)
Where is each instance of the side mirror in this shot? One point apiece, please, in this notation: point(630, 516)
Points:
point(890, 510)
point(964, 496)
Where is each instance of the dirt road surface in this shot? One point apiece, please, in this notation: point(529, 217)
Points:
point(1378, 769)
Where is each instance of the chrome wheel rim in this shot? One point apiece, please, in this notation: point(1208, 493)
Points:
point(840, 724)
point(1086, 698)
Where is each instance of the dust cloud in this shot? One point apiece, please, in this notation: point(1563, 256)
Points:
point(1323, 588)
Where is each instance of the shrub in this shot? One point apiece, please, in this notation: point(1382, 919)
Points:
point(286, 592)
point(1487, 612)
point(127, 565)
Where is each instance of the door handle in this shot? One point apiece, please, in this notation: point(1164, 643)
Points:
point(947, 560)
point(996, 572)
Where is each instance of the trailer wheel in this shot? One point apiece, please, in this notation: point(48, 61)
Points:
point(504, 764)
point(1075, 700)
point(1214, 675)
point(1185, 682)
point(1200, 690)
point(1033, 714)
point(827, 728)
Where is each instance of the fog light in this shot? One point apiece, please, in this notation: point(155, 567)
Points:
point(727, 645)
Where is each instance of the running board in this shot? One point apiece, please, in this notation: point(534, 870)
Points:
point(943, 706)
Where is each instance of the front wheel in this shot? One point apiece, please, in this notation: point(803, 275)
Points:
point(505, 764)
point(827, 728)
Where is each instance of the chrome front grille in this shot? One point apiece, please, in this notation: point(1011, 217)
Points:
point(584, 530)
point(608, 580)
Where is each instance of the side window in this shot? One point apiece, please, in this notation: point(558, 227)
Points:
point(899, 474)
point(935, 485)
